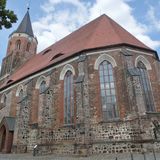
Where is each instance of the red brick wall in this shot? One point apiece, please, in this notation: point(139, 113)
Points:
point(24, 41)
point(14, 102)
point(34, 107)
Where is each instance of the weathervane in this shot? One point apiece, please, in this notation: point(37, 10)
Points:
point(28, 5)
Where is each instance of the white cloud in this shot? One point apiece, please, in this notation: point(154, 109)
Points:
point(122, 14)
point(149, 41)
point(64, 16)
point(153, 19)
point(58, 23)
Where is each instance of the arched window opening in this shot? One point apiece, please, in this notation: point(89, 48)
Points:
point(42, 87)
point(21, 95)
point(108, 95)
point(9, 46)
point(28, 46)
point(68, 98)
point(9, 81)
point(47, 51)
point(18, 44)
point(4, 100)
point(146, 88)
point(65, 69)
point(57, 55)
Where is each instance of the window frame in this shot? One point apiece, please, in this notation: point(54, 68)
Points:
point(18, 45)
point(146, 87)
point(107, 86)
point(28, 46)
point(68, 98)
point(4, 101)
point(42, 86)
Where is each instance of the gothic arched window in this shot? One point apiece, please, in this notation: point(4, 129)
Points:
point(146, 88)
point(18, 44)
point(4, 100)
point(68, 98)
point(28, 46)
point(108, 95)
point(42, 87)
point(21, 95)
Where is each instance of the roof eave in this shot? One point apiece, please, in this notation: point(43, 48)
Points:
point(80, 52)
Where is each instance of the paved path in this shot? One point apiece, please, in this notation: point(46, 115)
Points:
point(94, 157)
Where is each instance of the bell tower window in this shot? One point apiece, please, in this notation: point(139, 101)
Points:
point(9, 46)
point(18, 44)
point(28, 46)
point(42, 87)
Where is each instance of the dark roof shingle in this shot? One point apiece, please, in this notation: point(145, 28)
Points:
point(25, 26)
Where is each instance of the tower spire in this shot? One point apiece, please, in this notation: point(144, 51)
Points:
point(25, 25)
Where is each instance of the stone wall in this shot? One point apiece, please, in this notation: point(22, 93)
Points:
point(40, 116)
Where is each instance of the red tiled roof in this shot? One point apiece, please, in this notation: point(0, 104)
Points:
point(101, 32)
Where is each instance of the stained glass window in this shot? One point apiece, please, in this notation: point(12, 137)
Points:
point(18, 44)
point(42, 87)
point(68, 98)
point(21, 95)
point(146, 88)
point(28, 46)
point(108, 94)
point(4, 100)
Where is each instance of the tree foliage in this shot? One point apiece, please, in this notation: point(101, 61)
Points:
point(7, 17)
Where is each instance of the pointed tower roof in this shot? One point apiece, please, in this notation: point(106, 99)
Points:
point(25, 26)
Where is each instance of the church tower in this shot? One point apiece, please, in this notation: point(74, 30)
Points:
point(22, 46)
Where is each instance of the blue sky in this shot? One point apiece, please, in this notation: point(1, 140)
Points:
point(54, 19)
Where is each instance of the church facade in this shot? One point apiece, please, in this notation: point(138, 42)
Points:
point(95, 91)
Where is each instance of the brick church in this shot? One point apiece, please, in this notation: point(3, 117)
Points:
point(94, 91)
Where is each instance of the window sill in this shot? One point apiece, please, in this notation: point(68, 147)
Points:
point(44, 91)
point(111, 121)
point(154, 113)
point(69, 125)
point(34, 126)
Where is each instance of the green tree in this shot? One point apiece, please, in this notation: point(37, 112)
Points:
point(7, 17)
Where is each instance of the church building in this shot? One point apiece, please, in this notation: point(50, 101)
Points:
point(95, 91)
